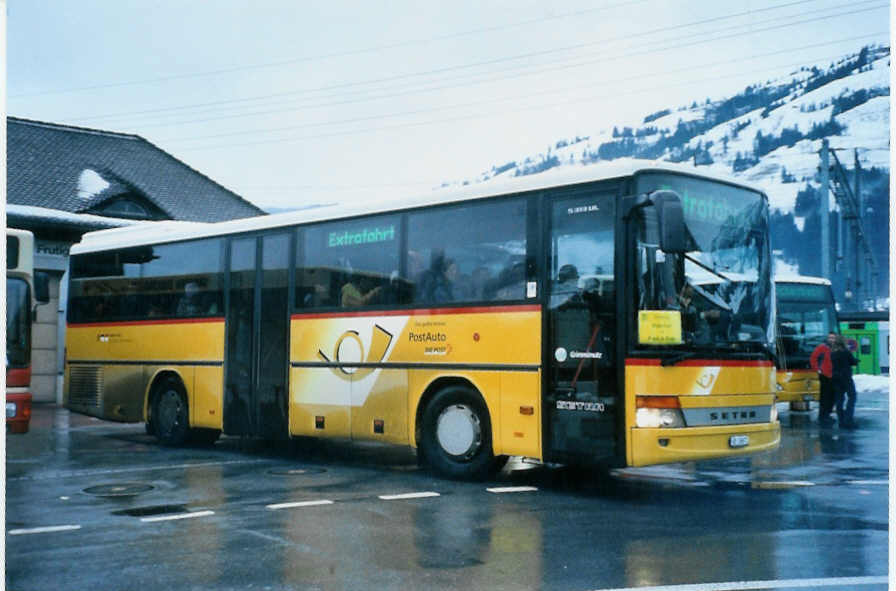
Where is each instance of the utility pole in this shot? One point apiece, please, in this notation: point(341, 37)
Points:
point(825, 213)
point(857, 262)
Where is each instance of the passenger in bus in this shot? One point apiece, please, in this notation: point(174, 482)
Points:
point(565, 290)
point(696, 320)
point(190, 304)
point(479, 279)
point(437, 284)
point(358, 292)
point(511, 282)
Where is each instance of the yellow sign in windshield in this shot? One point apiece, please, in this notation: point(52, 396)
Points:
point(659, 327)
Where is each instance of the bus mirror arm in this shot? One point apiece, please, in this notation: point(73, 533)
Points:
point(670, 216)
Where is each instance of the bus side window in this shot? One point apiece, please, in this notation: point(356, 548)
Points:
point(469, 252)
point(348, 264)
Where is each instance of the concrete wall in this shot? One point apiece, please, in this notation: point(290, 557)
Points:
point(45, 347)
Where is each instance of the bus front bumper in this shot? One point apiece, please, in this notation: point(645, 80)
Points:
point(663, 446)
point(18, 412)
point(797, 386)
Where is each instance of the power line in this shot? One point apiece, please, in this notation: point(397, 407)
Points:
point(542, 93)
point(542, 70)
point(519, 57)
point(467, 83)
point(484, 115)
point(331, 55)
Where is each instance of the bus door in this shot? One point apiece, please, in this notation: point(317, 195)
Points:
point(581, 394)
point(255, 392)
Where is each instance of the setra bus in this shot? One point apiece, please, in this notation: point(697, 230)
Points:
point(551, 317)
point(806, 314)
point(21, 299)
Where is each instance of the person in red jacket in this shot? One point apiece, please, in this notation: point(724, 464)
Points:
point(821, 362)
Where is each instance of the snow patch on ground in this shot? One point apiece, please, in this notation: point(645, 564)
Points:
point(868, 384)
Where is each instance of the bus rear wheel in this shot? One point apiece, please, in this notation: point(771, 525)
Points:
point(170, 419)
point(456, 435)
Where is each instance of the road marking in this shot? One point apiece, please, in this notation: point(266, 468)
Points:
point(868, 482)
point(777, 584)
point(416, 495)
point(43, 530)
point(299, 504)
point(779, 484)
point(178, 516)
point(511, 489)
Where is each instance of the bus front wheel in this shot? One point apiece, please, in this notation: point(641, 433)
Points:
point(170, 420)
point(456, 435)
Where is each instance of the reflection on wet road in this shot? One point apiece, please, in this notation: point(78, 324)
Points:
point(100, 505)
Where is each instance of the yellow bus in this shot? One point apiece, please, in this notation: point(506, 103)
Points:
point(550, 317)
point(806, 314)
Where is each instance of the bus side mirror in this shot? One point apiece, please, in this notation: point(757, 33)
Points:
point(41, 287)
point(670, 214)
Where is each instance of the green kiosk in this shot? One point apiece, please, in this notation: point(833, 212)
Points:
point(868, 337)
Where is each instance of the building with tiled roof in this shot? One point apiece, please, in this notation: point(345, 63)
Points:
point(63, 181)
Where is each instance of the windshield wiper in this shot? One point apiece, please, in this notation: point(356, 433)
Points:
point(675, 359)
point(703, 265)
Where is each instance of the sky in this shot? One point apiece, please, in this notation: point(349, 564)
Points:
point(291, 104)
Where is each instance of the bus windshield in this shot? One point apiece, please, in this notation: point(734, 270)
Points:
point(18, 346)
point(722, 285)
point(805, 316)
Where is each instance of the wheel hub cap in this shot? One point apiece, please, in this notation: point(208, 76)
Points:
point(458, 431)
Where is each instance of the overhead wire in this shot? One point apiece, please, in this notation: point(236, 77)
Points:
point(518, 57)
point(603, 82)
point(445, 108)
point(610, 95)
point(332, 55)
point(467, 83)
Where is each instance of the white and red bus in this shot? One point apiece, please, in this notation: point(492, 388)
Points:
point(21, 299)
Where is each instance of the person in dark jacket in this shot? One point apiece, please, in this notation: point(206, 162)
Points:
point(842, 362)
point(821, 362)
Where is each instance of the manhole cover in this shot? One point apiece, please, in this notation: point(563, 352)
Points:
point(123, 489)
point(296, 471)
point(154, 510)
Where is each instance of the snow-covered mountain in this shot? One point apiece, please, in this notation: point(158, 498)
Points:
point(769, 135)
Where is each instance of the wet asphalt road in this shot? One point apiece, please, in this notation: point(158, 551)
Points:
point(95, 505)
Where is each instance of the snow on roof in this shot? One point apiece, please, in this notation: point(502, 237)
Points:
point(168, 232)
point(64, 217)
point(90, 183)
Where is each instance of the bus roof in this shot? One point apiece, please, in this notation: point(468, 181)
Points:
point(170, 231)
point(806, 279)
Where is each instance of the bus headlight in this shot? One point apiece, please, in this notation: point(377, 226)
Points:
point(659, 418)
point(10, 410)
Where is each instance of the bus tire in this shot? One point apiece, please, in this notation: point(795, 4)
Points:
point(170, 418)
point(456, 435)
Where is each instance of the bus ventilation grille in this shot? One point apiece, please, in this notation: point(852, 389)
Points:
point(85, 386)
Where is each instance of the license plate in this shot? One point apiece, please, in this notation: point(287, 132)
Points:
point(739, 441)
point(808, 398)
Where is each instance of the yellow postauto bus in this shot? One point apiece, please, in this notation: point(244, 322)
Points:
point(551, 317)
point(806, 314)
